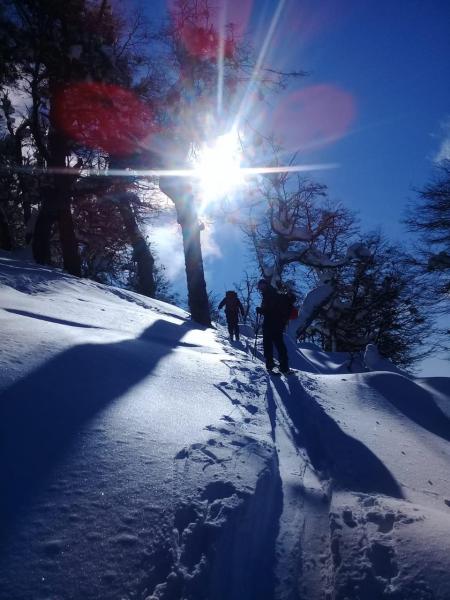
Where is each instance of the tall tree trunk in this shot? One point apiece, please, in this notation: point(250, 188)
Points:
point(333, 342)
point(43, 231)
point(69, 244)
point(5, 236)
point(141, 251)
point(181, 195)
point(55, 207)
point(26, 206)
point(17, 138)
point(193, 259)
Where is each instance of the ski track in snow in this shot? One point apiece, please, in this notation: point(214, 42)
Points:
point(229, 484)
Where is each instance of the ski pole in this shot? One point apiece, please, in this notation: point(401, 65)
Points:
point(258, 318)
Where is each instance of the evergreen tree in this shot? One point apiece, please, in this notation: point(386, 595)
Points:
point(376, 300)
point(429, 217)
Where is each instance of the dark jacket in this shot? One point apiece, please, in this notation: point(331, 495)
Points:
point(232, 305)
point(271, 309)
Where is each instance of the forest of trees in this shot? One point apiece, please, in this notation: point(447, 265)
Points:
point(86, 92)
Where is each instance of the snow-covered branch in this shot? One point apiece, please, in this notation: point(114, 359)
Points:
point(310, 257)
point(313, 303)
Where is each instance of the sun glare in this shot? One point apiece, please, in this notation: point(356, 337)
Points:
point(218, 167)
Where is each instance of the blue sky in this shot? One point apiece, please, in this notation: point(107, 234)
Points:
point(395, 59)
point(391, 60)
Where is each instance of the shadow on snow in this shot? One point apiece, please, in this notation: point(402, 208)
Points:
point(41, 415)
point(31, 315)
point(411, 400)
point(332, 452)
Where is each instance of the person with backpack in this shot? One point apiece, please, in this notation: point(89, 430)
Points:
point(287, 303)
point(274, 311)
point(233, 307)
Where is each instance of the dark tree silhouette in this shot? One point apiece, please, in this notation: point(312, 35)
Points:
point(429, 217)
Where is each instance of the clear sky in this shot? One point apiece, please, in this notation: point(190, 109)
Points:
point(377, 103)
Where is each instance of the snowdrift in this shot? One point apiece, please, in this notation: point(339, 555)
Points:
point(144, 457)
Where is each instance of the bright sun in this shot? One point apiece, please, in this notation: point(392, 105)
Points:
point(218, 167)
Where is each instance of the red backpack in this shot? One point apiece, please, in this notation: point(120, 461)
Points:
point(288, 309)
point(294, 313)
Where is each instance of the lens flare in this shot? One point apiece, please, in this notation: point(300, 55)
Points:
point(217, 166)
point(314, 117)
point(106, 116)
point(210, 33)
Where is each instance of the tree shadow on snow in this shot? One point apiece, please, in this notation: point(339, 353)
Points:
point(41, 414)
point(412, 400)
point(332, 452)
point(26, 313)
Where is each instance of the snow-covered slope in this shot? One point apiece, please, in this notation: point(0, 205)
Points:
point(144, 457)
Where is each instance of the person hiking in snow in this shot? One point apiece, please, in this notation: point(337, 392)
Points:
point(273, 326)
point(233, 307)
point(287, 300)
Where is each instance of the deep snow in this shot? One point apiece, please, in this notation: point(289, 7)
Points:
point(144, 457)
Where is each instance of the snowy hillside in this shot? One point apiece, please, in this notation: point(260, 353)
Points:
point(143, 457)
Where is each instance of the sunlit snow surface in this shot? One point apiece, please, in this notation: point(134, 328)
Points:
point(143, 457)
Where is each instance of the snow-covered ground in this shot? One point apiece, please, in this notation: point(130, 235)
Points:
point(143, 457)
